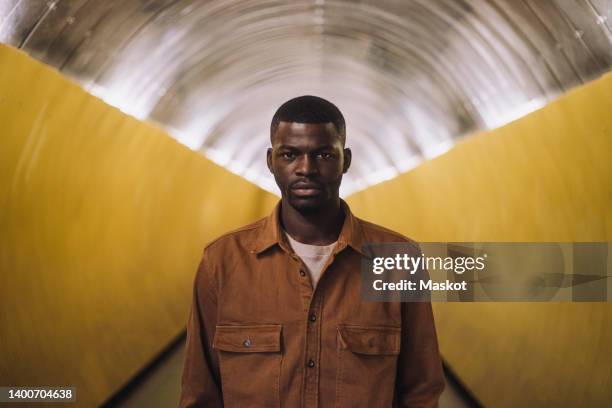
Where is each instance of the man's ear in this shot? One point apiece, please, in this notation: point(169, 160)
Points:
point(269, 159)
point(347, 160)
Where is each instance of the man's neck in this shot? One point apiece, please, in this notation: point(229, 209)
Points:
point(317, 228)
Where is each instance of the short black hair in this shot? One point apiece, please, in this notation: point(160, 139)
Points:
point(309, 109)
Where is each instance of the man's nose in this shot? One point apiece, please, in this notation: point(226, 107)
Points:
point(306, 166)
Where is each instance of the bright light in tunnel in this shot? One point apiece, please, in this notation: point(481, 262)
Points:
point(269, 184)
point(380, 175)
point(192, 140)
point(499, 119)
point(436, 149)
point(408, 163)
point(236, 167)
point(117, 97)
point(431, 139)
point(221, 157)
point(251, 175)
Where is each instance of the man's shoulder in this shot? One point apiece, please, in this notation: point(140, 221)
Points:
point(238, 239)
point(375, 233)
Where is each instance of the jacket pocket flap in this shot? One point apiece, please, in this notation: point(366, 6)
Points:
point(248, 339)
point(370, 339)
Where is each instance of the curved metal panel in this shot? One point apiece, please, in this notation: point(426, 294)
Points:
point(411, 76)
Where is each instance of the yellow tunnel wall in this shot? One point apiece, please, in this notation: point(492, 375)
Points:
point(545, 177)
point(103, 220)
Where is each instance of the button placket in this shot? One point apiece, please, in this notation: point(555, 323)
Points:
point(313, 351)
point(302, 270)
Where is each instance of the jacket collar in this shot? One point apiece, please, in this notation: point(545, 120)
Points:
point(270, 232)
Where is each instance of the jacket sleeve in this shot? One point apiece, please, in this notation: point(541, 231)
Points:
point(420, 377)
point(200, 383)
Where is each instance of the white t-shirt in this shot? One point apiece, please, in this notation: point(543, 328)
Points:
point(314, 256)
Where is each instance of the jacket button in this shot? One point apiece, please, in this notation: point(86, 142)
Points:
point(311, 363)
point(302, 273)
point(247, 343)
point(312, 317)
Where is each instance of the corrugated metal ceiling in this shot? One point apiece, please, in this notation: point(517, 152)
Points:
point(411, 77)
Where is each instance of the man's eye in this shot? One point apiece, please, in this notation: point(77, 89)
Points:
point(288, 155)
point(325, 155)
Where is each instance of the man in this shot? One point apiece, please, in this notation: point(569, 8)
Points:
point(277, 317)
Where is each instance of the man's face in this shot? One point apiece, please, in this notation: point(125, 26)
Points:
point(308, 161)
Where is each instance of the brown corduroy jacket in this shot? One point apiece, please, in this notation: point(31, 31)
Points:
point(259, 336)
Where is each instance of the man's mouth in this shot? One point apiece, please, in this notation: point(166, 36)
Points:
point(305, 189)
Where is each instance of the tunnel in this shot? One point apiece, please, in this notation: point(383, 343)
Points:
point(133, 133)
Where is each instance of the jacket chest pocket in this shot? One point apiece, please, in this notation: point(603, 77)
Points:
point(250, 363)
point(367, 365)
